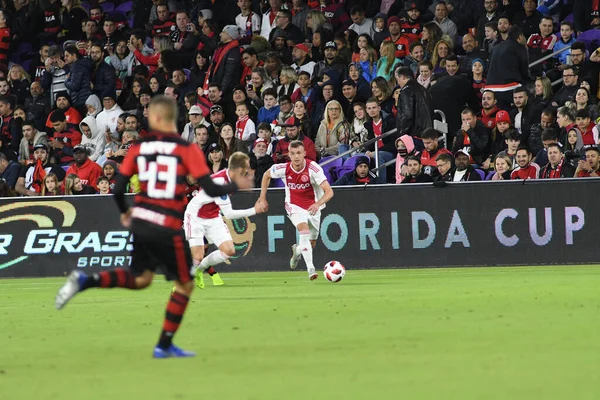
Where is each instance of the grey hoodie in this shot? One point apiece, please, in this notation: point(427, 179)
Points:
point(95, 144)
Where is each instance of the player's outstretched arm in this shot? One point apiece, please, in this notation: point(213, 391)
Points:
point(266, 181)
point(214, 190)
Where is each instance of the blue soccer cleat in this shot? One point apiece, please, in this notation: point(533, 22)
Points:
point(172, 351)
point(73, 286)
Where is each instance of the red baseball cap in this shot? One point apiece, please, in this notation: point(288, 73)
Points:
point(502, 116)
point(302, 46)
point(260, 140)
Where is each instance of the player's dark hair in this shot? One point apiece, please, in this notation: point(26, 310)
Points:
point(57, 116)
point(430, 133)
point(549, 134)
point(413, 158)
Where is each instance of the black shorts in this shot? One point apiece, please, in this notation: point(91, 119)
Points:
point(162, 251)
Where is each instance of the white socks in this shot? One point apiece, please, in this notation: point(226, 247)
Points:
point(214, 258)
point(305, 249)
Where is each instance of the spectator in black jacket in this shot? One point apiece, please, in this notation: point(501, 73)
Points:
point(569, 89)
point(523, 114)
point(10, 130)
point(414, 105)
point(557, 167)
point(415, 171)
point(103, 73)
point(226, 62)
point(490, 14)
point(586, 14)
point(444, 163)
point(79, 77)
point(377, 125)
point(263, 160)
point(359, 176)
point(9, 170)
point(37, 106)
point(464, 171)
point(509, 67)
point(473, 136)
point(331, 61)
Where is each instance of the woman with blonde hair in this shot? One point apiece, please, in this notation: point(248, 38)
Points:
point(387, 61)
point(442, 50)
point(314, 20)
point(288, 78)
point(368, 63)
point(382, 91)
point(161, 43)
point(503, 167)
point(50, 186)
point(74, 186)
point(333, 131)
point(543, 92)
point(19, 82)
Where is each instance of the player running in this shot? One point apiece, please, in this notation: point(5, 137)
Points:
point(162, 161)
point(202, 219)
point(306, 192)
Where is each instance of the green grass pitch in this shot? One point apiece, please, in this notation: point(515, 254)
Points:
point(476, 333)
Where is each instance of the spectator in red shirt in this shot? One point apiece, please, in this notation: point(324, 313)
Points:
point(432, 151)
point(489, 109)
point(526, 168)
point(292, 132)
point(87, 170)
point(583, 121)
point(66, 137)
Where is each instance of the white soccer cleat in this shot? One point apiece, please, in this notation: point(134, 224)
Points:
point(295, 257)
point(69, 289)
point(312, 274)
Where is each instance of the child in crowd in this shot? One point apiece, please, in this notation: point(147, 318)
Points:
point(103, 184)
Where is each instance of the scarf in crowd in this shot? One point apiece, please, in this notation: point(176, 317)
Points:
point(38, 176)
point(554, 172)
point(240, 126)
point(217, 59)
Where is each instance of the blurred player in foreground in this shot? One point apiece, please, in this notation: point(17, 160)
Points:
point(306, 192)
point(162, 160)
point(203, 219)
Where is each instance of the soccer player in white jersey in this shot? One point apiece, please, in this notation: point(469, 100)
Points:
point(203, 219)
point(306, 192)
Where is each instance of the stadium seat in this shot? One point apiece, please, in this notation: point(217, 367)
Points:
point(350, 162)
point(481, 174)
point(277, 183)
point(490, 175)
point(330, 170)
point(86, 6)
point(125, 8)
point(344, 169)
point(107, 7)
point(22, 52)
point(187, 73)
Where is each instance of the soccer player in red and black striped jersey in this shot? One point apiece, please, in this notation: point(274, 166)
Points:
point(162, 162)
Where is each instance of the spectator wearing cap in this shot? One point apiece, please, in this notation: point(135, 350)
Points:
point(283, 21)
point(196, 119)
point(107, 119)
point(63, 103)
point(65, 138)
point(225, 64)
point(496, 141)
point(92, 138)
point(215, 159)
point(331, 61)
point(523, 114)
point(32, 175)
point(414, 171)
point(103, 75)
point(349, 98)
point(464, 171)
point(31, 138)
point(333, 131)
point(414, 105)
point(360, 23)
point(557, 166)
point(292, 132)
point(590, 167)
point(9, 171)
point(87, 170)
point(217, 118)
point(400, 41)
point(263, 160)
point(473, 136)
point(412, 26)
point(359, 176)
point(302, 60)
point(79, 76)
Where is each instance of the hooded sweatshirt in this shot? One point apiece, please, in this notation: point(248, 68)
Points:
point(108, 118)
point(95, 144)
point(94, 101)
point(410, 147)
point(380, 35)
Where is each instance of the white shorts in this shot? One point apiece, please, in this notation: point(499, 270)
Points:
point(214, 230)
point(299, 215)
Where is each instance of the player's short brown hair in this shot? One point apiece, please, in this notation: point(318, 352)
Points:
point(296, 143)
point(238, 160)
point(165, 106)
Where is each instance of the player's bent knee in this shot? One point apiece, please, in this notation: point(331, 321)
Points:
point(227, 249)
point(144, 280)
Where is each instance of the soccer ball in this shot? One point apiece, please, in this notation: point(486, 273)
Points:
point(334, 271)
